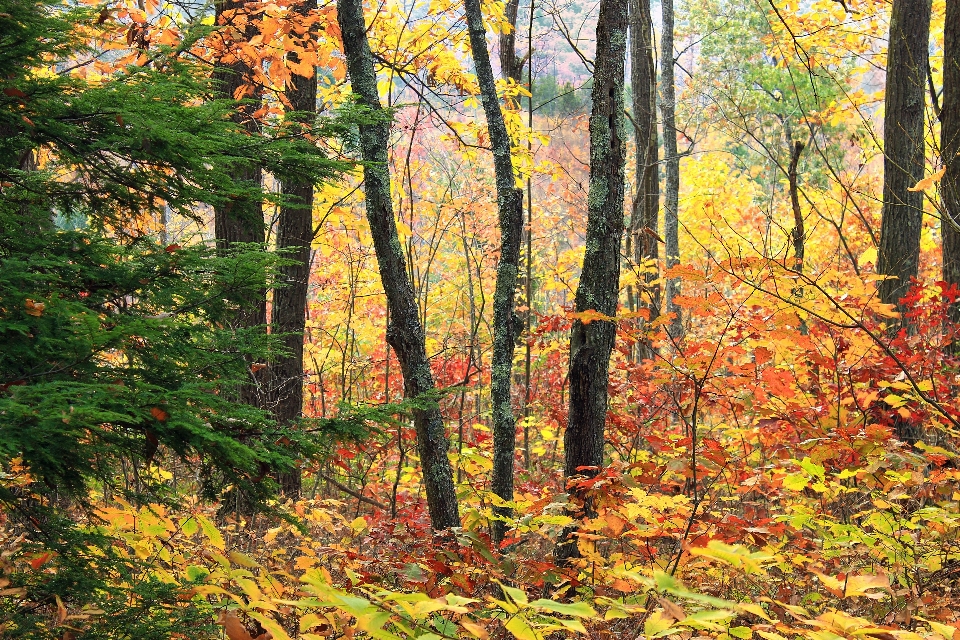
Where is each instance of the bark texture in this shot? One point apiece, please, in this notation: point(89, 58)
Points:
point(591, 343)
point(903, 147)
point(671, 164)
point(294, 235)
point(506, 325)
point(405, 333)
point(950, 148)
point(242, 219)
point(644, 218)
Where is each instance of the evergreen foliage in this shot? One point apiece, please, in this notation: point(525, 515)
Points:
point(115, 350)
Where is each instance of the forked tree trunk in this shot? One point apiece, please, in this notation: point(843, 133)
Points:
point(671, 162)
point(644, 218)
point(950, 148)
point(405, 333)
point(242, 220)
point(294, 236)
point(510, 209)
point(903, 152)
point(592, 342)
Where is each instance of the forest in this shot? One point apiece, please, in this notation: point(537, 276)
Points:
point(492, 319)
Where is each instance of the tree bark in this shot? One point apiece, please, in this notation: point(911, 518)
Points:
point(294, 236)
point(950, 148)
point(903, 156)
point(242, 219)
point(671, 162)
point(405, 333)
point(644, 217)
point(510, 208)
point(592, 342)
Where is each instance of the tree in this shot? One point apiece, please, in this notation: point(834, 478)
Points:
point(950, 149)
point(294, 236)
point(592, 338)
point(671, 160)
point(405, 333)
point(642, 247)
point(241, 220)
point(903, 153)
point(510, 209)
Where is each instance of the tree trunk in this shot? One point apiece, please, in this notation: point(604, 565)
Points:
point(903, 147)
point(644, 218)
point(294, 236)
point(592, 342)
point(671, 159)
point(950, 148)
point(242, 220)
point(405, 333)
point(510, 209)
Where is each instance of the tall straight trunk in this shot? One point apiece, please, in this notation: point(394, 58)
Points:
point(510, 209)
point(511, 66)
point(644, 217)
point(242, 220)
point(671, 161)
point(405, 333)
point(294, 236)
point(592, 342)
point(903, 147)
point(950, 148)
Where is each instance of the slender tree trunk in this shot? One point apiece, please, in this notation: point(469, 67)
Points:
point(510, 209)
point(798, 235)
point(592, 342)
point(950, 149)
point(405, 333)
point(644, 218)
point(242, 220)
point(903, 157)
point(294, 236)
point(671, 160)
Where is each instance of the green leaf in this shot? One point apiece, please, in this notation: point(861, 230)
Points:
point(521, 629)
point(210, 530)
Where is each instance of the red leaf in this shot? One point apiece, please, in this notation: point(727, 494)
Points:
point(171, 248)
point(159, 414)
point(14, 93)
point(38, 561)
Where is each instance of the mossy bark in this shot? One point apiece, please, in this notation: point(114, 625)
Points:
point(592, 343)
point(505, 323)
point(671, 163)
point(405, 333)
point(903, 153)
point(294, 236)
point(645, 214)
point(950, 149)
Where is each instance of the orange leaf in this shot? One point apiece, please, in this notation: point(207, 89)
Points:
point(34, 308)
point(159, 414)
point(38, 561)
point(929, 181)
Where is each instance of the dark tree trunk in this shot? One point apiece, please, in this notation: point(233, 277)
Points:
point(405, 333)
point(242, 219)
point(798, 235)
point(950, 148)
point(294, 235)
point(644, 218)
point(511, 66)
point(592, 342)
point(506, 326)
point(671, 162)
point(903, 147)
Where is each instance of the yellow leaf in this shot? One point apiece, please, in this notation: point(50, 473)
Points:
point(210, 530)
point(480, 632)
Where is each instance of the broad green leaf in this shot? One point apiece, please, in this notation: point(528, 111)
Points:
point(521, 629)
point(210, 530)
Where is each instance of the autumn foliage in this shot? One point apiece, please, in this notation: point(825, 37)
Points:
point(785, 467)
